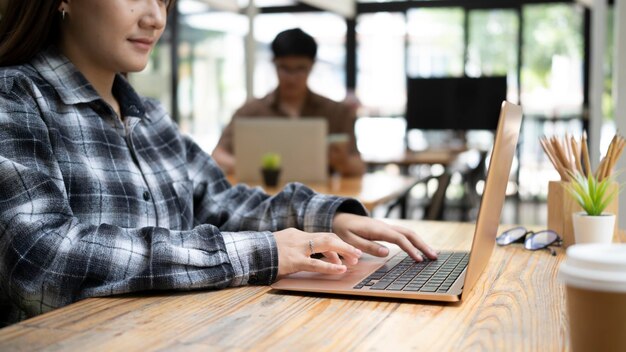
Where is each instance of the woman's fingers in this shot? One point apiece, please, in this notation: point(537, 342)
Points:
point(363, 237)
point(362, 232)
point(417, 241)
point(332, 257)
point(408, 240)
point(393, 236)
point(367, 246)
point(295, 248)
point(330, 243)
point(320, 266)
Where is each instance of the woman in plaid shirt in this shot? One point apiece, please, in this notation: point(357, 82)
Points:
point(100, 194)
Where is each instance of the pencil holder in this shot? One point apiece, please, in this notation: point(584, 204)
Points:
point(561, 206)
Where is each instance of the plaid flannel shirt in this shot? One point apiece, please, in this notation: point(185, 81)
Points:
point(91, 206)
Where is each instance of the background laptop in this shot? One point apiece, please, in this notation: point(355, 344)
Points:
point(454, 273)
point(301, 144)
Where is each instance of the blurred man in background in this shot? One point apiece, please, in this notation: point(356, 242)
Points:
point(294, 55)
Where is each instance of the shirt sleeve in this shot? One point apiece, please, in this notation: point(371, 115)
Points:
point(49, 258)
point(226, 139)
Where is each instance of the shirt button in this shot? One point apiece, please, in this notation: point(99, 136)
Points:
point(253, 280)
point(146, 196)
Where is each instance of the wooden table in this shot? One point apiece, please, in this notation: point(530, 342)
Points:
point(426, 157)
point(517, 305)
point(371, 189)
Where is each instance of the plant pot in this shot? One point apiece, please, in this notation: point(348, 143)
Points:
point(561, 205)
point(270, 177)
point(593, 229)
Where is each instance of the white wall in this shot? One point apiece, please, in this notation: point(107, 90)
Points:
point(596, 84)
point(619, 94)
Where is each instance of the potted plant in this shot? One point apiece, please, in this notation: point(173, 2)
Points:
point(593, 224)
point(270, 169)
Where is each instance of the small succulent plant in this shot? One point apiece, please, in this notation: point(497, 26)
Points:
point(592, 195)
point(270, 161)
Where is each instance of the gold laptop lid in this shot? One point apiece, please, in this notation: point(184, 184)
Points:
point(504, 147)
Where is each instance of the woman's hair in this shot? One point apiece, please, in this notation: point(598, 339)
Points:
point(28, 27)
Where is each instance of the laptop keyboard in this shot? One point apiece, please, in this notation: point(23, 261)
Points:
point(402, 273)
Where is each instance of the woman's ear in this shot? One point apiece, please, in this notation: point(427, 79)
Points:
point(64, 8)
point(63, 5)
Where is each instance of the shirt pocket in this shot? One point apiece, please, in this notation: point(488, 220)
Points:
point(184, 201)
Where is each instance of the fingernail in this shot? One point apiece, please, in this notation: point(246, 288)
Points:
point(383, 251)
point(418, 255)
point(358, 252)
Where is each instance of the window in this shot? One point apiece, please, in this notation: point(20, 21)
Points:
point(211, 80)
point(435, 42)
point(552, 87)
point(381, 78)
point(552, 60)
point(492, 46)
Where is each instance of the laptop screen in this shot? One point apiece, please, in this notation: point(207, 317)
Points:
point(301, 143)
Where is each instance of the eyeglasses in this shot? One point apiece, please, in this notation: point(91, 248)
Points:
point(293, 71)
point(532, 240)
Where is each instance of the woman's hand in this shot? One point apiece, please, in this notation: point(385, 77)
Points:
point(362, 231)
point(295, 248)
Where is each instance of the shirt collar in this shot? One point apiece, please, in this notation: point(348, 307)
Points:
point(73, 88)
point(311, 101)
point(131, 103)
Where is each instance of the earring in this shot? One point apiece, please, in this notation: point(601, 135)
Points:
point(63, 14)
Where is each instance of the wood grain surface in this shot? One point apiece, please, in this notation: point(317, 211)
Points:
point(517, 305)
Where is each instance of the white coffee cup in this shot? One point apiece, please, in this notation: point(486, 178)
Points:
point(595, 280)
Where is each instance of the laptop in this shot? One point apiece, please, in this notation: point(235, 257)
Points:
point(453, 274)
point(301, 143)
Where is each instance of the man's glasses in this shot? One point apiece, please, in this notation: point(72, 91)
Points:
point(293, 71)
point(532, 240)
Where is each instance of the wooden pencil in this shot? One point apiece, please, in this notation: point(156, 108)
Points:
point(551, 156)
point(586, 161)
point(560, 154)
point(570, 157)
point(616, 152)
point(567, 149)
point(608, 156)
point(620, 148)
point(600, 169)
point(576, 152)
